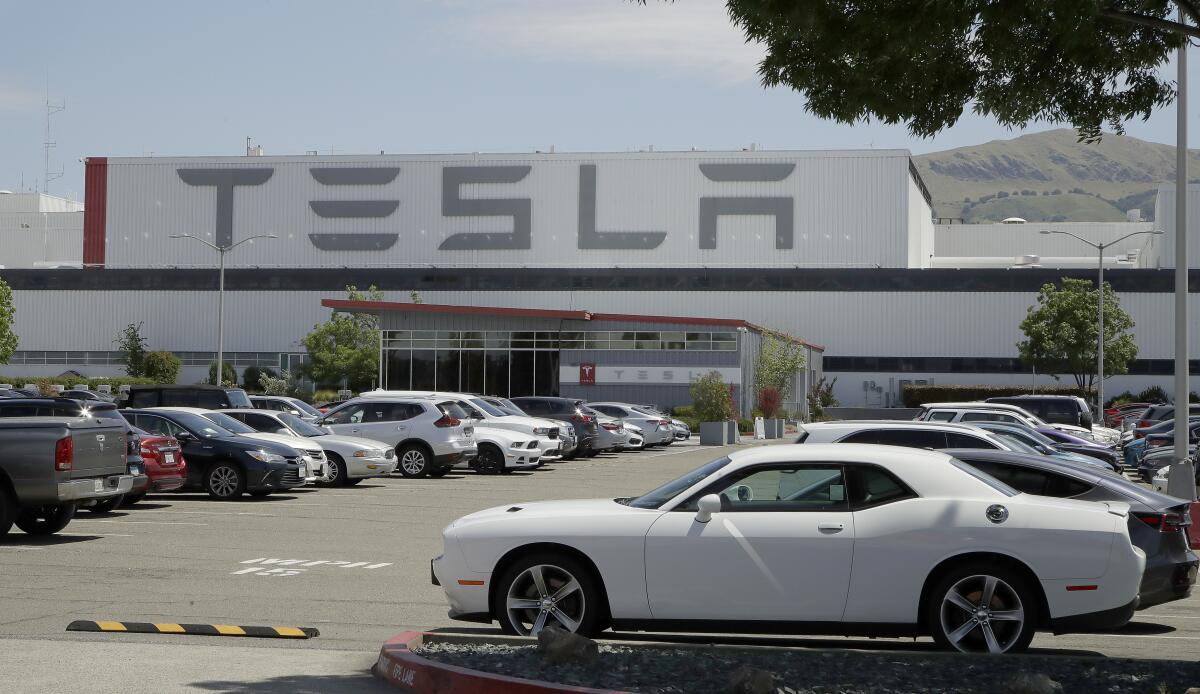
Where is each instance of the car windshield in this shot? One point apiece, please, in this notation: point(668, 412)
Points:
point(304, 407)
point(670, 490)
point(201, 426)
point(300, 426)
point(229, 423)
point(453, 410)
point(646, 411)
point(488, 407)
point(509, 406)
point(1016, 443)
point(238, 398)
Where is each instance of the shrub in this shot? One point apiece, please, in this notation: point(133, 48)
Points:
point(252, 376)
point(746, 426)
point(684, 411)
point(1120, 399)
point(916, 395)
point(274, 385)
point(1153, 395)
point(228, 374)
point(321, 397)
point(161, 367)
point(820, 397)
point(710, 398)
point(769, 401)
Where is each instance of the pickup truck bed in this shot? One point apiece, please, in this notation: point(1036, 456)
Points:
point(47, 464)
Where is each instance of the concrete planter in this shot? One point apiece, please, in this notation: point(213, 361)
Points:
point(713, 433)
point(774, 428)
point(732, 435)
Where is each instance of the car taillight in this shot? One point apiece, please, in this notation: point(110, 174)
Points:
point(610, 426)
point(581, 418)
point(64, 454)
point(1155, 443)
point(446, 421)
point(1169, 522)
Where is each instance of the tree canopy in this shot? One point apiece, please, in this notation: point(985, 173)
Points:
point(1060, 332)
point(922, 63)
point(8, 338)
point(345, 348)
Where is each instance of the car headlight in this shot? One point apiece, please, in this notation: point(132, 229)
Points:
point(366, 453)
point(265, 457)
point(541, 431)
point(518, 444)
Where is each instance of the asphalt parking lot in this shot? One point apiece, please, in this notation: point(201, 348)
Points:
point(352, 562)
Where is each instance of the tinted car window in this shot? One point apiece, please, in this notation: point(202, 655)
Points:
point(941, 415)
point(783, 488)
point(177, 397)
point(18, 410)
point(871, 486)
point(956, 440)
point(1032, 481)
point(236, 397)
point(143, 398)
point(211, 399)
point(351, 414)
point(908, 438)
point(383, 412)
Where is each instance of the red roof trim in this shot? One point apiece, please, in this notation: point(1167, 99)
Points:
point(349, 305)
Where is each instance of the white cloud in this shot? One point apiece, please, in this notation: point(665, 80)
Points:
point(15, 98)
point(689, 36)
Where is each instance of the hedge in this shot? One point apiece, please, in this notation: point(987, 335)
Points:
point(916, 395)
point(45, 384)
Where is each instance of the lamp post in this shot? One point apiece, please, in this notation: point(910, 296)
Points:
point(221, 251)
point(1100, 309)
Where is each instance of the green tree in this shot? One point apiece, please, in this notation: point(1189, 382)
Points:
point(1091, 63)
point(228, 374)
point(345, 348)
point(252, 374)
point(8, 338)
point(710, 398)
point(161, 367)
point(1060, 332)
point(275, 385)
point(779, 359)
point(821, 397)
point(132, 346)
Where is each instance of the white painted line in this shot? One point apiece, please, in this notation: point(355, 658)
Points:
point(1134, 636)
point(218, 513)
point(93, 534)
point(659, 455)
point(96, 520)
point(20, 548)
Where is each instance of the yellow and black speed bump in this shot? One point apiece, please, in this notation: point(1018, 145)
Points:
point(195, 629)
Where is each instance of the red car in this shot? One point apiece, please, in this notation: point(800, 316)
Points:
point(164, 463)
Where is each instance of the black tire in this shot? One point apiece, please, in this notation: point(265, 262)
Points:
point(586, 606)
point(224, 481)
point(439, 472)
point(415, 461)
point(131, 499)
point(107, 505)
point(8, 511)
point(337, 471)
point(45, 520)
point(490, 460)
point(261, 493)
point(957, 628)
point(351, 481)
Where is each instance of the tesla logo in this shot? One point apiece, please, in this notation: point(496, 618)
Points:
point(587, 374)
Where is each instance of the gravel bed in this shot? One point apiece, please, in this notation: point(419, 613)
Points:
point(656, 670)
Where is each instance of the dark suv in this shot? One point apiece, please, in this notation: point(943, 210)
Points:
point(1055, 409)
point(68, 407)
point(569, 410)
point(219, 461)
point(206, 397)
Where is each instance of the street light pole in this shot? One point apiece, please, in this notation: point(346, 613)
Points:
point(221, 251)
point(1100, 309)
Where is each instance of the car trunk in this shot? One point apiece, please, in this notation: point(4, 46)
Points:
point(98, 449)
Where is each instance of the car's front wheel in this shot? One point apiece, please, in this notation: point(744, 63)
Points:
point(45, 520)
point(983, 608)
point(490, 461)
point(225, 481)
point(543, 589)
point(336, 476)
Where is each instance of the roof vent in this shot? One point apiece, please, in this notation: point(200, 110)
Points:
point(1013, 220)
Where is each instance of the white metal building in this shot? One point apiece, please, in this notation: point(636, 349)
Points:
point(835, 247)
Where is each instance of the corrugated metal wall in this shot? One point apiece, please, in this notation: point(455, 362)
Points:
point(1010, 240)
point(849, 208)
point(26, 238)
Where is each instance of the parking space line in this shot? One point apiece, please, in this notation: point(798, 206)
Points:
point(99, 520)
point(659, 455)
point(93, 534)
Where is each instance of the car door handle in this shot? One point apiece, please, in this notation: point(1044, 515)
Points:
point(831, 527)
point(401, 427)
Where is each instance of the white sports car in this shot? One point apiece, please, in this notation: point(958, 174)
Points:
point(829, 539)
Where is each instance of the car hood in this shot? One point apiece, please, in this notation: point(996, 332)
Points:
point(571, 508)
point(300, 444)
point(485, 432)
point(351, 442)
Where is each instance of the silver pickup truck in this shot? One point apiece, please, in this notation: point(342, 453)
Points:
point(48, 464)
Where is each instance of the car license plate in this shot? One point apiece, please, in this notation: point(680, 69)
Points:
point(99, 485)
point(303, 470)
point(135, 469)
point(169, 458)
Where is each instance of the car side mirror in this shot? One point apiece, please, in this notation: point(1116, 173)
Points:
point(326, 429)
point(706, 507)
point(185, 437)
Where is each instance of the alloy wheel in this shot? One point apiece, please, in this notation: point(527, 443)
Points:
point(544, 593)
point(413, 462)
point(982, 614)
point(223, 481)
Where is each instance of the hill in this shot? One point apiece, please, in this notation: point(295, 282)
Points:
point(1050, 176)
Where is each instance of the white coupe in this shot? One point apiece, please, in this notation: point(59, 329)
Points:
point(828, 539)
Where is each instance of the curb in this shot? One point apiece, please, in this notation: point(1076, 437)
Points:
point(399, 666)
point(194, 629)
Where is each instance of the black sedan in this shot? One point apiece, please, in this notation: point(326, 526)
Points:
point(1157, 522)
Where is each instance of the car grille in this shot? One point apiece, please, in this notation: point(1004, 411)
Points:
point(317, 454)
point(292, 474)
point(532, 444)
point(554, 433)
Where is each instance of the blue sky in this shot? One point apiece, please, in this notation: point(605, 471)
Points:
point(355, 76)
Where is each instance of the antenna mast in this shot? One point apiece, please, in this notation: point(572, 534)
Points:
point(47, 145)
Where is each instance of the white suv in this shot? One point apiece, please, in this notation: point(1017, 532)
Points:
point(429, 434)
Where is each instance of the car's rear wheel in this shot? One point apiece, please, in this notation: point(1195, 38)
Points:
point(983, 608)
point(131, 499)
point(336, 476)
point(490, 461)
point(224, 481)
point(106, 505)
point(45, 520)
point(414, 461)
point(439, 472)
point(543, 589)
point(8, 511)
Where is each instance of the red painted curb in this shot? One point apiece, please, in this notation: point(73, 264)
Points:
point(398, 665)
